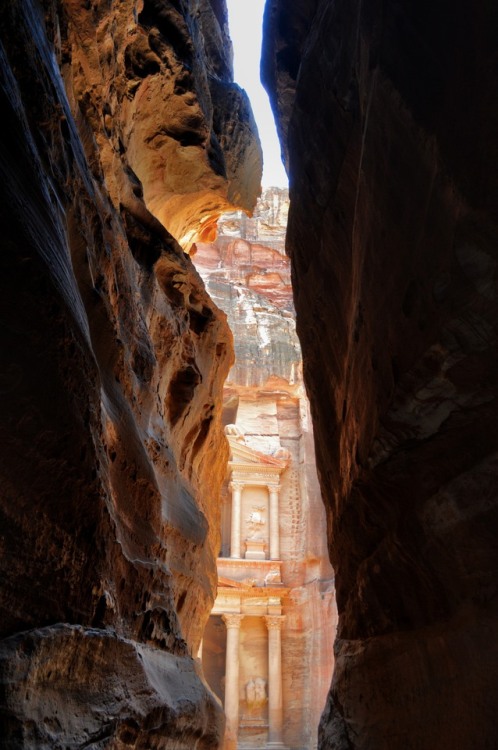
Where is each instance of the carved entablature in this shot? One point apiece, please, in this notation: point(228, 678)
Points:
point(259, 601)
point(257, 476)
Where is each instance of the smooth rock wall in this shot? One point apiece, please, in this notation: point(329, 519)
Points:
point(113, 359)
point(389, 122)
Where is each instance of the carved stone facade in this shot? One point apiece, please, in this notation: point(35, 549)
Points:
point(250, 599)
point(245, 642)
point(267, 648)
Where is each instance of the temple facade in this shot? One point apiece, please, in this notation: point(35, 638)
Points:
point(267, 650)
point(250, 600)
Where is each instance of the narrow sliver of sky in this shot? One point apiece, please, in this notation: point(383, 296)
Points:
point(246, 21)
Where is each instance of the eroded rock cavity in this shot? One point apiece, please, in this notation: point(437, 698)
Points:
point(122, 130)
point(388, 122)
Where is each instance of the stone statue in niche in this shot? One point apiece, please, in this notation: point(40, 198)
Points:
point(255, 521)
point(273, 576)
point(282, 454)
point(250, 693)
point(260, 684)
point(233, 431)
point(256, 693)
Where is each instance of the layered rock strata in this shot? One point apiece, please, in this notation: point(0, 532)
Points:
point(248, 275)
point(122, 130)
point(389, 124)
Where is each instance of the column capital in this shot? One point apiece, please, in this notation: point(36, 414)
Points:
point(274, 622)
point(232, 619)
point(274, 488)
point(236, 485)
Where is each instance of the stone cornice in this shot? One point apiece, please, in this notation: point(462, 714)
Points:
point(265, 474)
point(242, 562)
point(255, 592)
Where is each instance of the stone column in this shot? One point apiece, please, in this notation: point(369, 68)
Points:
point(275, 708)
point(232, 622)
point(236, 488)
point(274, 491)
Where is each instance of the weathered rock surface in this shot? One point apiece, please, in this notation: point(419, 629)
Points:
point(389, 124)
point(247, 274)
point(113, 359)
point(61, 686)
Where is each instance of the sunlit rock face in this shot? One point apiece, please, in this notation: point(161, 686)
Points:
point(389, 125)
point(113, 360)
point(154, 81)
point(248, 275)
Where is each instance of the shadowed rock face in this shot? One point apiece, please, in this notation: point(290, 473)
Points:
point(112, 363)
point(389, 126)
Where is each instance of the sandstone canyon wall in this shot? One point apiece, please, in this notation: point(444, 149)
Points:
point(388, 119)
point(122, 132)
point(247, 274)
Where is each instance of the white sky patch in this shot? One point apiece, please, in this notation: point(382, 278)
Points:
point(246, 22)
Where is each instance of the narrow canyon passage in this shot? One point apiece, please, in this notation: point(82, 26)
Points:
point(124, 138)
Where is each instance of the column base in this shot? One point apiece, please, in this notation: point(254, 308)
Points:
point(276, 746)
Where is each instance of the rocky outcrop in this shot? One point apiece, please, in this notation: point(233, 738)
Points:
point(121, 131)
point(389, 127)
point(61, 677)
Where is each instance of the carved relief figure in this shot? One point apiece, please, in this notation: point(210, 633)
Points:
point(273, 576)
point(260, 685)
point(283, 454)
point(251, 693)
point(256, 693)
point(235, 432)
point(255, 521)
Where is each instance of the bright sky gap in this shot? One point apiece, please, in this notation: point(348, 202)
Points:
point(246, 21)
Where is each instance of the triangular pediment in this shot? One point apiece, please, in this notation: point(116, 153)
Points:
point(242, 454)
point(230, 583)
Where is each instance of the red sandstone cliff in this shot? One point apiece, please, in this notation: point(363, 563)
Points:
point(122, 130)
point(388, 117)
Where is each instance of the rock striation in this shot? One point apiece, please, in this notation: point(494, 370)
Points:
point(247, 274)
point(122, 133)
point(388, 125)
